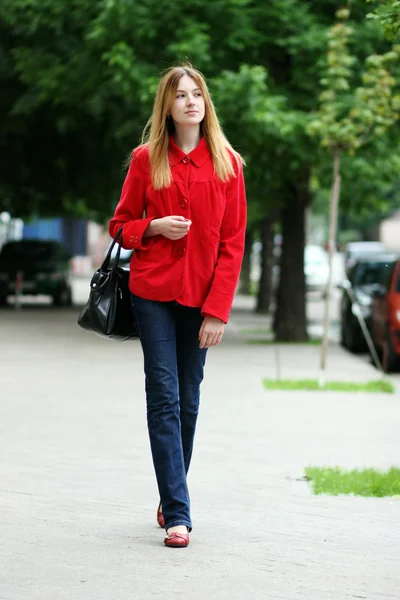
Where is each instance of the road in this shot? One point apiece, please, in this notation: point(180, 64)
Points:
point(315, 309)
point(78, 497)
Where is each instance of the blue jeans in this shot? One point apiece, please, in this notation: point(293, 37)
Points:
point(174, 368)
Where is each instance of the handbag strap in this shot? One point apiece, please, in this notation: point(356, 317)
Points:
point(117, 240)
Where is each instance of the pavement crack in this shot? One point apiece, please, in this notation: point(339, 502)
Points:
point(17, 492)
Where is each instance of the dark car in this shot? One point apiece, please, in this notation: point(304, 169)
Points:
point(364, 277)
point(356, 251)
point(38, 267)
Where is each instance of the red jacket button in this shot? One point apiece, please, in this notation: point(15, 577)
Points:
point(183, 203)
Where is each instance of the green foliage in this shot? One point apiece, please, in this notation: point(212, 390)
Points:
point(388, 14)
point(359, 482)
point(370, 183)
point(79, 79)
point(348, 119)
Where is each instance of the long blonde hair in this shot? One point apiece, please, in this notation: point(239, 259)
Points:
point(159, 128)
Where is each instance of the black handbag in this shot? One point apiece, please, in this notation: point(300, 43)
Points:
point(108, 311)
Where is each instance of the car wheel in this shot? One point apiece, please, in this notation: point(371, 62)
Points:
point(390, 360)
point(63, 298)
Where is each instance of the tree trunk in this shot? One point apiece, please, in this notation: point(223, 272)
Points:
point(290, 323)
point(333, 217)
point(245, 273)
point(267, 262)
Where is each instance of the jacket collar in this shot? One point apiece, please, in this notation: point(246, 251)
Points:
point(198, 156)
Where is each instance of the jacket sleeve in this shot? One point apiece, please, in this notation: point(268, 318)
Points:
point(226, 275)
point(131, 207)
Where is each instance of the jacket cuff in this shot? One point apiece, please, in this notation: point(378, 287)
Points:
point(132, 234)
point(217, 304)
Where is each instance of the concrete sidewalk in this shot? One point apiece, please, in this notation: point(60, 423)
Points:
point(78, 493)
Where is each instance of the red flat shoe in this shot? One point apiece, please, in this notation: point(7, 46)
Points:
point(160, 517)
point(176, 540)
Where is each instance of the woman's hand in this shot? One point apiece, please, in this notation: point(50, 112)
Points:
point(211, 332)
point(174, 227)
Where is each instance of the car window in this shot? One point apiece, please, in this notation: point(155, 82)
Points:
point(368, 273)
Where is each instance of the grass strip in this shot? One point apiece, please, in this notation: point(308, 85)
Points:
point(376, 386)
point(271, 341)
point(360, 482)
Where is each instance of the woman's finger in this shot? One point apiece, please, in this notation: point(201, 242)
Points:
point(203, 339)
point(207, 338)
point(201, 330)
point(181, 225)
point(211, 340)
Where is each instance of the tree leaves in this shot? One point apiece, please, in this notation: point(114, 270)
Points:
point(388, 14)
point(80, 79)
point(346, 121)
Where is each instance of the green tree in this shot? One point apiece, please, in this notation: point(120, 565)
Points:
point(55, 160)
point(388, 14)
point(346, 121)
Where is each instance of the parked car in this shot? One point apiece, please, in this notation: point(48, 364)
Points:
point(386, 318)
point(44, 266)
point(357, 250)
point(316, 268)
point(364, 278)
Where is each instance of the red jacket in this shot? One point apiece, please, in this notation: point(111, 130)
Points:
point(202, 269)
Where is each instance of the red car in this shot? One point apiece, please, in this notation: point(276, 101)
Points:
point(386, 318)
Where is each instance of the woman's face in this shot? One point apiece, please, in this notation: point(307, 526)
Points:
point(188, 107)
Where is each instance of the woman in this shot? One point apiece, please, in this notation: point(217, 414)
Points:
point(183, 211)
